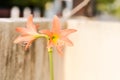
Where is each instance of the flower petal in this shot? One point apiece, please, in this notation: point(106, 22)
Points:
point(56, 25)
point(30, 24)
point(66, 32)
point(47, 32)
point(28, 44)
point(23, 31)
point(67, 41)
point(59, 49)
point(37, 26)
point(23, 39)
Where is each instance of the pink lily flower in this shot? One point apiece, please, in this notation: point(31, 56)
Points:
point(58, 37)
point(28, 34)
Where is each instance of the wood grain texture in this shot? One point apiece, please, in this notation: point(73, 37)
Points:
point(17, 64)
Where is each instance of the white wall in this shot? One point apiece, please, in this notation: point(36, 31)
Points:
point(96, 51)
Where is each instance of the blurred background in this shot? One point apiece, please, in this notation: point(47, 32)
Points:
point(98, 9)
point(96, 51)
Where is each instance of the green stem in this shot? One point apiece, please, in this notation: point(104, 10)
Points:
point(50, 51)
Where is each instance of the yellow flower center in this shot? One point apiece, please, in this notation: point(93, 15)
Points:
point(55, 38)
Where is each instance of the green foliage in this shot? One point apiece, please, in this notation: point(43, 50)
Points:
point(105, 1)
point(116, 12)
point(23, 3)
point(19, 2)
point(5, 3)
point(104, 5)
point(109, 7)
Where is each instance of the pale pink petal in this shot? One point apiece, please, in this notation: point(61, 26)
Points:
point(30, 24)
point(37, 26)
point(23, 39)
point(23, 31)
point(28, 44)
point(67, 41)
point(30, 20)
point(47, 32)
point(59, 49)
point(66, 32)
point(56, 25)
